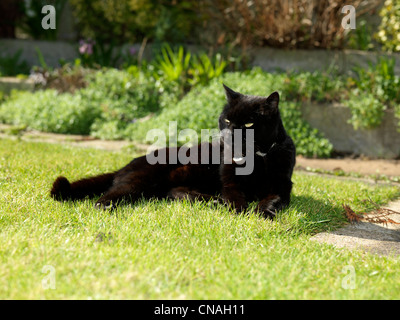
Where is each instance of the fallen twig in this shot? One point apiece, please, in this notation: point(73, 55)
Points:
point(378, 216)
point(350, 215)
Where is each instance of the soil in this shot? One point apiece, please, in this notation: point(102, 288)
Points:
point(362, 166)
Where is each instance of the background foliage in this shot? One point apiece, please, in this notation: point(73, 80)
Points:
point(130, 20)
point(389, 29)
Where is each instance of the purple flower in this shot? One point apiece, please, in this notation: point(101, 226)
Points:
point(132, 51)
point(86, 47)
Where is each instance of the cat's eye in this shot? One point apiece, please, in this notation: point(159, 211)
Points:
point(227, 121)
point(249, 125)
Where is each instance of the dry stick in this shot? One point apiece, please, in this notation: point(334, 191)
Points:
point(380, 216)
point(141, 51)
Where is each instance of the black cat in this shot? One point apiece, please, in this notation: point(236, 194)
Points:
point(271, 155)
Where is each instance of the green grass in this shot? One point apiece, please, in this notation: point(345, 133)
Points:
point(174, 250)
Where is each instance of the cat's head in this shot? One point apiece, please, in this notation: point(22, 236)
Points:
point(252, 112)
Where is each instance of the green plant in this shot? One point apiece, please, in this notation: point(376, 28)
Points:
point(314, 86)
point(204, 69)
point(173, 66)
point(122, 99)
point(105, 103)
point(186, 69)
point(41, 59)
point(367, 111)
point(31, 21)
point(50, 111)
point(10, 65)
point(379, 79)
point(389, 29)
point(376, 89)
point(361, 37)
point(132, 20)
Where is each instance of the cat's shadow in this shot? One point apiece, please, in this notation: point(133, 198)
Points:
point(330, 218)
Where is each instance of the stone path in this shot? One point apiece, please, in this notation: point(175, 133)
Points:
point(381, 239)
point(361, 166)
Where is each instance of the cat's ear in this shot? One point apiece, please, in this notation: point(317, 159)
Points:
point(230, 94)
point(272, 102)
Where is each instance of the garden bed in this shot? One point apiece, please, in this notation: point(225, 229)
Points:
point(322, 111)
point(268, 59)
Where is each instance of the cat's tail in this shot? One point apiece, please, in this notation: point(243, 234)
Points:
point(64, 190)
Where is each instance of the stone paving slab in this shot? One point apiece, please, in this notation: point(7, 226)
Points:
point(381, 239)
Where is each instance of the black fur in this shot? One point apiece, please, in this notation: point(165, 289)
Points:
point(270, 181)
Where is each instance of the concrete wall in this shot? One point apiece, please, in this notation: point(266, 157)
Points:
point(51, 51)
point(331, 120)
point(269, 59)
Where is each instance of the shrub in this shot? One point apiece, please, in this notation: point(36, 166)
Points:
point(389, 29)
point(111, 101)
point(124, 99)
point(132, 20)
point(50, 111)
point(314, 86)
point(280, 23)
point(68, 78)
point(367, 111)
point(375, 90)
point(379, 79)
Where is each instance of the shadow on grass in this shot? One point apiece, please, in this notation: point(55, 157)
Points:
point(308, 215)
point(318, 215)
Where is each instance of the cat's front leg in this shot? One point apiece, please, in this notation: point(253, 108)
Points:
point(235, 198)
point(232, 194)
point(271, 205)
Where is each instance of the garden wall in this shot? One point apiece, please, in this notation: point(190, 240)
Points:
point(331, 120)
point(51, 51)
point(269, 59)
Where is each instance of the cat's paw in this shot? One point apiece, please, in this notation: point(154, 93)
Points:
point(105, 205)
point(238, 205)
point(270, 207)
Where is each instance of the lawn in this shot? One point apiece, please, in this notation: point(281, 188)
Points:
point(174, 250)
